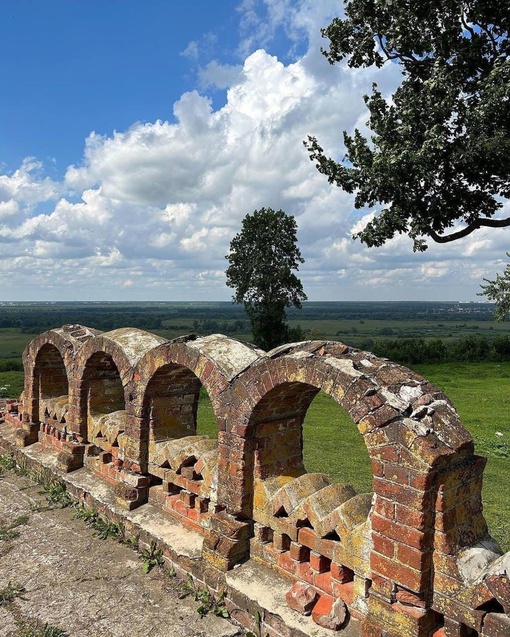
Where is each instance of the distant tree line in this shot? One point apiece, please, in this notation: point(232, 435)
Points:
point(407, 351)
point(469, 349)
point(11, 365)
point(34, 319)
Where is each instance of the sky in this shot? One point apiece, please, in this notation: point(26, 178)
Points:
point(135, 136)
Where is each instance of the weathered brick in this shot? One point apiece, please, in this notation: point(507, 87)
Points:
point(329, 612)
point(302, 598)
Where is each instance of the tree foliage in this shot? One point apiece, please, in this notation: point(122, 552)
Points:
point(498, 291)
point(262, 259)
point(439, 152)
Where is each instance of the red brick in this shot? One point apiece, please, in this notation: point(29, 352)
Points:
point(299, 553)
point(341, 573)
point(308, 537)
point(187, 498)
point(385, 508)
point(345, 591)
point(413, 557)
point(304, 572)
point(408, 577)
point(412, 517)
point(286, 562)
point(302, 598)
point(496, 625)
point(383, 545)
point(329, 613)
point(396, 473)
point(403, 534)
point(323, 581)
point(382, 586)
point(399, 493)
point(377, 468)
point(371, 628)
point(499, 586)
point(180, 507)
point(319, 562)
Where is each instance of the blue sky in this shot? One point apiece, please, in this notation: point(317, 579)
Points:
point(135, 136)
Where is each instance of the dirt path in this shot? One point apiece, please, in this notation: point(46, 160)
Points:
point(80, 584)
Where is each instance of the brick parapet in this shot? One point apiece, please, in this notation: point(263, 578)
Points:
point(392, 558)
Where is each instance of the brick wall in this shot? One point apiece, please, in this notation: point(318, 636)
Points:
point(412, 558)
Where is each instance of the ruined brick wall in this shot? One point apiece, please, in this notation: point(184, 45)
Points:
point(412, 558)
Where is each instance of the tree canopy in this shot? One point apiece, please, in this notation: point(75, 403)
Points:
point(262, 259)
point(498, 291)
point(439, 153)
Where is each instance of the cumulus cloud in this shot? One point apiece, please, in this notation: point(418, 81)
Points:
point(149, 211)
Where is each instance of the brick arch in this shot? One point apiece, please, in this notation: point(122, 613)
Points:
point(191, 362)
point(120, 349)
point(419, 451)
point(54, 349)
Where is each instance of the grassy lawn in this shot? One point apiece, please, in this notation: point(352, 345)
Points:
point(481, 394)
point(13, 342)
point(11, 384)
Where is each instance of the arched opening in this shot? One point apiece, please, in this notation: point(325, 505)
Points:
point(51, 388)
point(105, 404)
point(182, 458)
point(206, 418)
point(333, 445)
point(314, 526)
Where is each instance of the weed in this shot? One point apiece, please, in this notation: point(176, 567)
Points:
point(9, 532)
point(258, 626)
point(31, 629)
point(55, 491)
point(103, 528)
point(6, 462)
point(21, 520)
point(208, 602)
point(492, 448)
point(10, 592)
point(58, 496)
point(131, 541)
point(151, 557)
point(89, 516)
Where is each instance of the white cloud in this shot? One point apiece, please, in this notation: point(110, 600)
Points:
point(151, 210)
point(219, 75)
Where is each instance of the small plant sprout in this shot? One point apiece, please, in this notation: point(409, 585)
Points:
point(151, 557)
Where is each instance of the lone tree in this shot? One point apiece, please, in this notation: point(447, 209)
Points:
point(262, 257)
point(439, 153)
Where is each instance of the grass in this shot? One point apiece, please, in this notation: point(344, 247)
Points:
point(11, 384)
point(333, 445)
point(10, 592)
point(36, 629)
point(13, 342)
point(10, 531)
point(481, 395)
